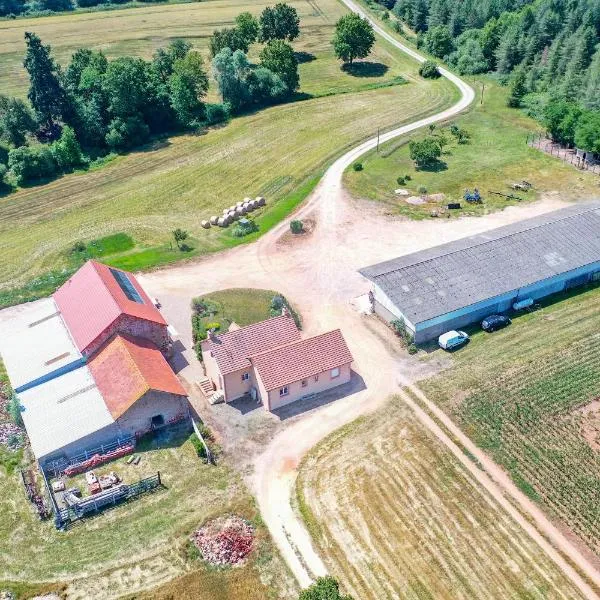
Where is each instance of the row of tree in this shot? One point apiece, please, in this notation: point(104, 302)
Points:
point(546, 49)
point(13, 8)
point(96, 105)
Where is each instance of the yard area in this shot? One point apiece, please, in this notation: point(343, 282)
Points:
point(278, 152)
point(495, 157)
point(394, 514)
point(529, 396)
point(144, 543)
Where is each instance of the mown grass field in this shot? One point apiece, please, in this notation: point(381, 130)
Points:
point(395, 515)
point(495, 157)
point(277, 152)
point(529, 396)
point(142, 544)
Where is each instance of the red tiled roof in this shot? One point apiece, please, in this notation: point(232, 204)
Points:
point(302, 359)
point(233, 349)
point(126, 368)
point(92, 300)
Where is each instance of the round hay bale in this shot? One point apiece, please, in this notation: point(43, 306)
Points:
point(222, 222)
point(225, 211)
point(254, 204)
point(231, 216)
point(205, 224)
point(239, 211)
point(239, 203)
point(213, 220)
point(231, 208)
point(247, 206)
point(246, 200)
point(261, 201)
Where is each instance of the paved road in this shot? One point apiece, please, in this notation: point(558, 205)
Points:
point(319, 275)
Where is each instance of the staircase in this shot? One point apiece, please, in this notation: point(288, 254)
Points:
point(206, 386)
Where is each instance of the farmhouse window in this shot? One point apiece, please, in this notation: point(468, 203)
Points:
point(245, 376)
point(335, 373)
point(304, 382)
point(284, 391)
point(316, 378)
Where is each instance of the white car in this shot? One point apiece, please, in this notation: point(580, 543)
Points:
point(452, 339)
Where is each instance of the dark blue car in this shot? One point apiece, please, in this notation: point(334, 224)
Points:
point(494, 322)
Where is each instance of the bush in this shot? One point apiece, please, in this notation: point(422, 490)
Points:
point(357, 166)
point(244, 227)
point(277, 304)
point(412, 349)
point(422, 189)
point(429, 70)
point(213, 325)
point(399, 327)
point(198, 445)
point(204, 307)
point(401, 180)
point(14, 409)
point(28, 164)
point(296, 226)
point(217, 113)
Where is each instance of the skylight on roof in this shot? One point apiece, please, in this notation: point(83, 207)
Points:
point(125, 284)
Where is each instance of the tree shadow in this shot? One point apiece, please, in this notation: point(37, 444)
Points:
point(434, 167)
point(304, 57)
point(365, 69)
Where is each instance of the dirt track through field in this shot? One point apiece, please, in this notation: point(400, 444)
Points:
point(319, 276)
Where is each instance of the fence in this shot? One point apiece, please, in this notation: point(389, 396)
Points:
point(209, 455)
point(94, 504)
point(568, 155)
point(56, 467)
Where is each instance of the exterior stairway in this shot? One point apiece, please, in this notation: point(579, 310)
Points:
point(206, 386)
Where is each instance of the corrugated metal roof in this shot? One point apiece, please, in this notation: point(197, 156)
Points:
point(302, 359)
point(233, 348)
point(125, 368)
point(62, 411)
point(34, 341)
point(433, 282)
point(93, 299)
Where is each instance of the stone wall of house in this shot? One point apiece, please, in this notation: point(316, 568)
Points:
point(154, 332)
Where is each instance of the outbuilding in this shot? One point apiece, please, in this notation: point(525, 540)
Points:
point(455, 284)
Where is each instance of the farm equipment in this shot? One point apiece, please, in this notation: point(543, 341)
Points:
point(509, 196)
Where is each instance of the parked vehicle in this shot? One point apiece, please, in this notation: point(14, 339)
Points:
point(494, 322)
point(452, 339)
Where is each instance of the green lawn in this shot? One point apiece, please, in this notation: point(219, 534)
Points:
point(495, 157)
point(142, 543)
point(528, 395)
point(278, 152)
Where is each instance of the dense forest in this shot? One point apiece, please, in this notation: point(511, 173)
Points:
point(95, 106)
point(547, 51)
point(34, 8)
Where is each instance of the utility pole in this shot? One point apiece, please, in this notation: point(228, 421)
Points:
point(482, 91)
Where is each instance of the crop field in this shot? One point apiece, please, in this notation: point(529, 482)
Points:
point(530, 396)
point(277, 152)
point(142, 544)
point(395, 515)
point(495, 157)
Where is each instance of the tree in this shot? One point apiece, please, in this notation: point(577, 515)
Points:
point(16, 120)
point(229, 70)
point(126, 86)
point(517, 89)
point(66, 150)
point(560, 119)
point(429, 70)
point(188, 86)
point(353, 38)
point(587, 132)
point(324, 588)
point(247, 27)
point(279, 57)
point(438, 41)
point(164, 59)
point(469, 58)
point(280, 22)
point(46, 93)
point(127, 132)
point(227, 38)
point(264, 86)
point(180, 235)
point(425, 152)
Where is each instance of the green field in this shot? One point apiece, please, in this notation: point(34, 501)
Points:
point(141, 544)
point(528, 395)
point(395, 515)
point(495, 157)
point(277, 152)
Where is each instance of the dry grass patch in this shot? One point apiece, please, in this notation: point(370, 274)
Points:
point(395, 515)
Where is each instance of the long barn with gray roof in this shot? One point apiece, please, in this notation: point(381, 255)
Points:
point(458, 283)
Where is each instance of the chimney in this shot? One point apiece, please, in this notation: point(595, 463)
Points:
point(212, 336)
point(284, 311)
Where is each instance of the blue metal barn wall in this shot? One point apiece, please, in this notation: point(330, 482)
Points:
point(432, 328)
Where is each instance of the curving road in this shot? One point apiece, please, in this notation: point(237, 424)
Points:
point(319, 275)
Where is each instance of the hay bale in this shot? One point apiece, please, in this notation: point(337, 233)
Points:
point(239, 203)
point(239, 211)
point(261, 201)
point(246, 200)
point(231, 216)
point(254, 204)
point(225, 211)
point(223, 221)
point(231, 208)
point(247, 207)
point(205, 224)
point(213, 220)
